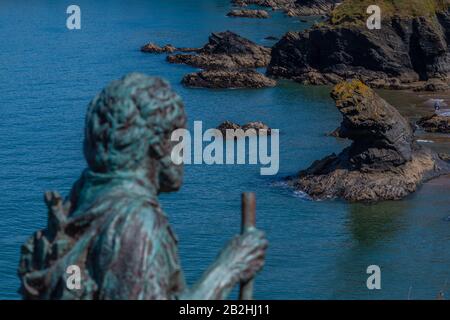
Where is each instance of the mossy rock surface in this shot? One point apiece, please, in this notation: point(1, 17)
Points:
point(354, 11)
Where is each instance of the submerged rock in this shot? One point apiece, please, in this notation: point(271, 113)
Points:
point(383, 162)
point(260, 14)
point(226, 50)
point(435, 123)
point(335, 133)
point(227, 79)
point(409, 52)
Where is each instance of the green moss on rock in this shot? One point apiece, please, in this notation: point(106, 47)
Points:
point(354, 11)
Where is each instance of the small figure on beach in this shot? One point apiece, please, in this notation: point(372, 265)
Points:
point(111, 226)
point(437, 105)
point(441, 108)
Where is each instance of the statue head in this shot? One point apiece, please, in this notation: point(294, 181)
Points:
point(128, 128)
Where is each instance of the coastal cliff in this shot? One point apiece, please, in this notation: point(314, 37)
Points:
point(411, 51)
point(382, 163)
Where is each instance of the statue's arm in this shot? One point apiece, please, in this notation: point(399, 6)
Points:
point(142, 259)
point(239, 261)
point(145, 263)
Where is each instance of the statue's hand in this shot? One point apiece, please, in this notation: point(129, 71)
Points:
point(245, 253)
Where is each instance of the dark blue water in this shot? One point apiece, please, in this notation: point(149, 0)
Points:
point(318, 250)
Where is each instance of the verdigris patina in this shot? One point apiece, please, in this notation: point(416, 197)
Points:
point(111, 225)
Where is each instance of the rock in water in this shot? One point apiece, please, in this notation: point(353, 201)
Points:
point(154, 48)
point(411, 51)
point(258, 126)
point(229, 61)
point(382, 163)
point(226, 50)
point(435, 123)
point(228, 125)
point(228, 79)
point(260, 14)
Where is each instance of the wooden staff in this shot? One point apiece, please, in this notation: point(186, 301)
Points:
point(248, 222)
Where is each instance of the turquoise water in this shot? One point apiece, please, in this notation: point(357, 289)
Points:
point(318, 250)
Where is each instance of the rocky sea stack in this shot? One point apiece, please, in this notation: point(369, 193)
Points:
point(411, 51)
point(383, 162)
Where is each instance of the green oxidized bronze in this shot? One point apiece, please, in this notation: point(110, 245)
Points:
point(111, 225)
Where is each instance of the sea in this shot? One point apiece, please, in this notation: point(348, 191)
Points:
point(318, 249)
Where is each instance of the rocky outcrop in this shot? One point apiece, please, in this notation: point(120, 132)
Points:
point(154, 48)
point(168, 48)
point(260, 14)
point(229, 61)
point(226, 50)
point(383, 162)
point(294, 7)
point(274, 4)
point(258, 126)
point(228, 78)
point(409, 52)
point(312, 7)
point(435, 123)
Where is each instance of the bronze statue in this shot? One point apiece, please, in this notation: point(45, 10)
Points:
point(111, 225)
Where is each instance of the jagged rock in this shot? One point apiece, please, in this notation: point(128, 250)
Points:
point(406, 53)
point(260, 14)
point(224, 126)
point(168, 48)
point(260, 127)
point(293, 7)
point(227, 79)
point(226, 50)
point(435, 123)
point(154, 48)
point(312, 7)
point(274, 4)
point(383, 162)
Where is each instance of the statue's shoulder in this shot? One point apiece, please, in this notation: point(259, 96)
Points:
point(137, 214)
